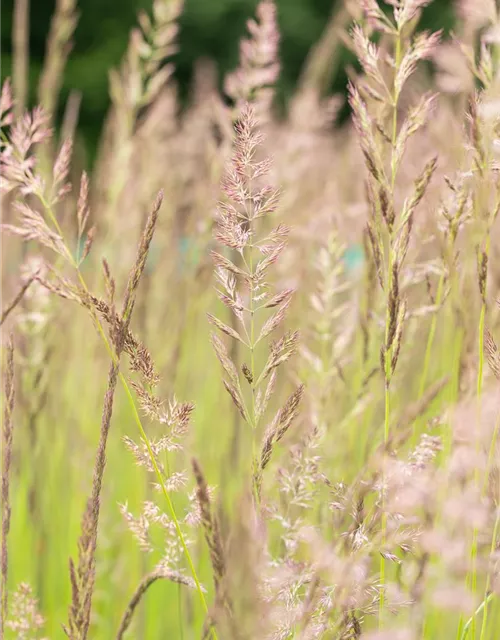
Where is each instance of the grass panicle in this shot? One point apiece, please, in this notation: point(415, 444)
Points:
point(354, 438)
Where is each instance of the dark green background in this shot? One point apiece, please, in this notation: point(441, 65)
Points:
point(209, 28)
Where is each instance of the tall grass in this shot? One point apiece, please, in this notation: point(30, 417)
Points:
point(325, 464)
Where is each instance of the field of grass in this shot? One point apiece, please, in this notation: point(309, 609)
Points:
point(250, 373)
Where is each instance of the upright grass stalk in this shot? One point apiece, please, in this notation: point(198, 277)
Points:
point(127, 310)
point(213, 538)
point(430, 338)
point(389, 320)
point(171, 509)
point(83, 574)
point(166, 495)
point(454, 221)
point(483, 277)
point(159, 475)
point(479, 388)
point(58, 243)
point(238, 228)
point(143, 75)
point(58, 46)
point(493, 357)
point(455, 348)
point(7, 437)
point(488, 594)
point(253, 83)
point(389, 233)
point(484, 68)
point(470, 625)
point(17, 298)
point(253, 417)
point(20, 41)
point(482, 282)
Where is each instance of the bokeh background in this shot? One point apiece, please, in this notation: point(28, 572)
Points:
point(209, 29)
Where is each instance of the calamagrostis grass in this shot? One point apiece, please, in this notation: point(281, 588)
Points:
point(142, 77)
point(7, 436)
point(20, 37)
point(20, 173)
point(18, 297)
point(82, 573)
point(259, 67)
point(383, 140)
point(58, 47)
point(385, 501)
point(25, 620)
point(247, 293)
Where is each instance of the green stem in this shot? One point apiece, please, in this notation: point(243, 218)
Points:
point(386, 438)
point(430, 339)
point(253, 416)
point(484, 605)
point(157, 471)
point(497, 523)
point(481, 351)
point(387, 322)
point(136, 416)
point(165, 493)
point(476, 470)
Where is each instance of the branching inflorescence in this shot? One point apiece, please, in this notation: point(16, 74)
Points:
point(248, 294)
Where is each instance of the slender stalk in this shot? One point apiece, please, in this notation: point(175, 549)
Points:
point(456, 349)
point(430, 339)
point(251, 339)
point(387, 411)
point(62, 27)
point(7, 433)
point(480, 371)
point(159, 476)
point(387, 362)
point(139, 593)
point(469, 624)
point(481, 351)
point(136, 417)
point(53, 219)
point(488, 595)
point(20, 40)
point(165, 493)
point(17, 298)
point(496, 527)
point(252, 371)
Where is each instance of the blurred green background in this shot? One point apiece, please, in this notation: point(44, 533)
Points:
point(209, 29)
